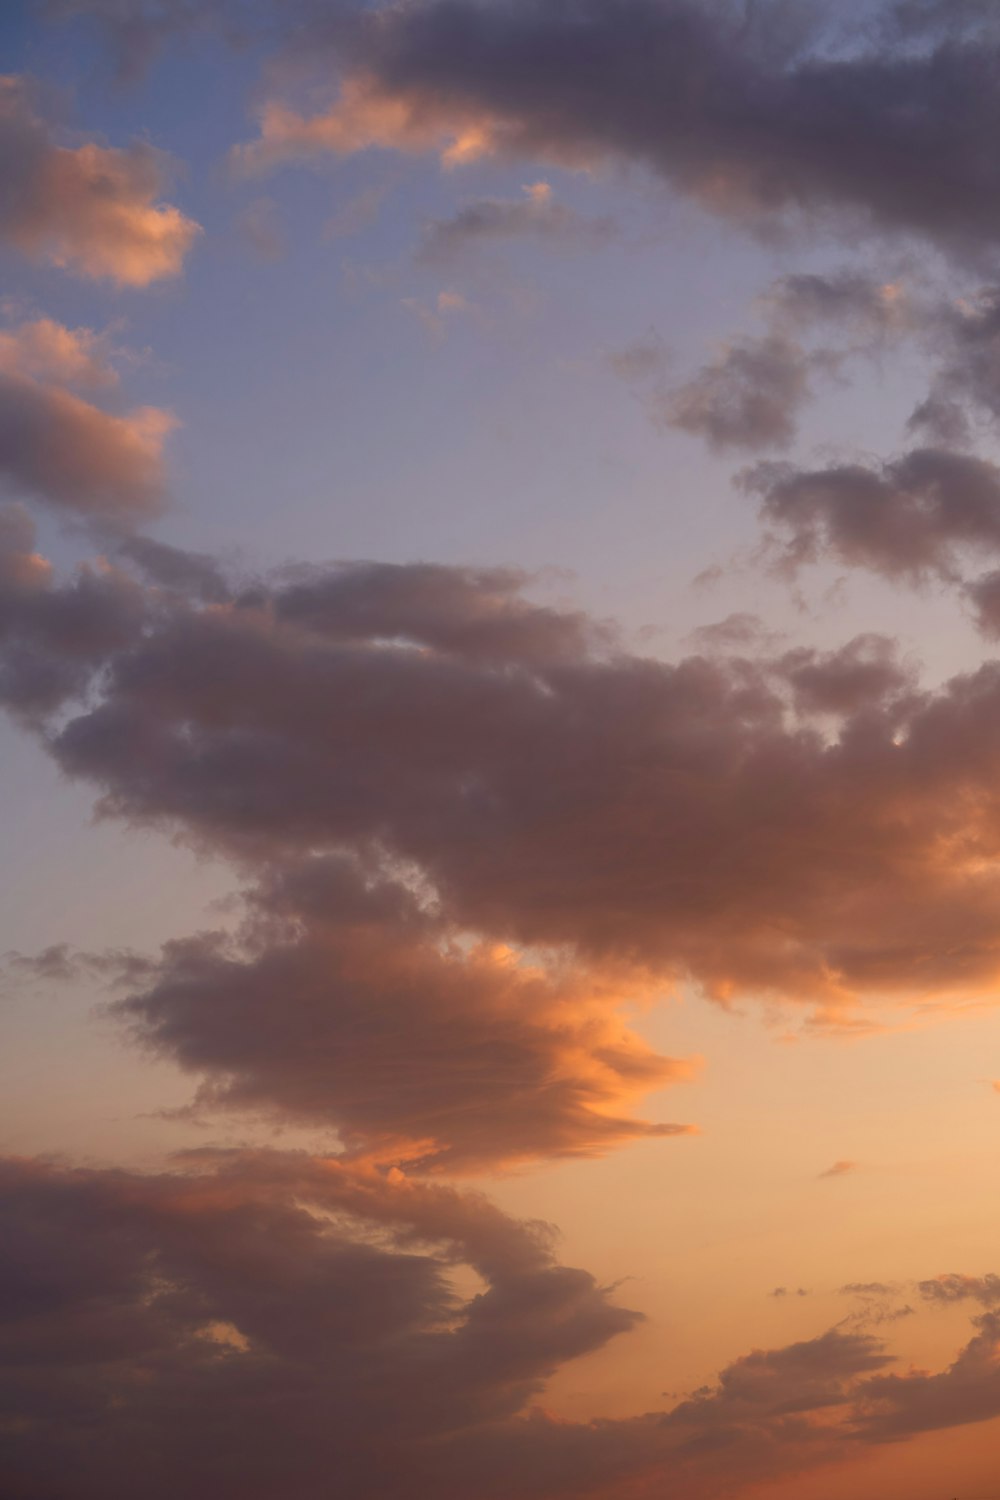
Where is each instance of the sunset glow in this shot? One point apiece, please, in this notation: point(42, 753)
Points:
point(499, 604)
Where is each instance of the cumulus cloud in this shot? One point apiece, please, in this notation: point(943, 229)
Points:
point(774, 825)
point(748, 112)
point(45, 350)
point(747, 399)
point(61, 448)
point(751, 395)
point(919, 516)
point(92, 209)
point(866, 670)
point(411, 1045)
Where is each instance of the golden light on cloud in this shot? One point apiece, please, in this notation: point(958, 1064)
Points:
point(91, 209)
point(553, 670)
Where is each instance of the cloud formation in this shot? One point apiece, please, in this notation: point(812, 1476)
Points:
point(91, 209)
point(780, 826)
point(255, 1325)
point(250, 1322)
point(753, 113)
point(746, 400)
point(59, 447)
point(920, 516)
point(413, 1046)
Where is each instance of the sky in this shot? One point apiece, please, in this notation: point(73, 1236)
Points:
point(499, 604)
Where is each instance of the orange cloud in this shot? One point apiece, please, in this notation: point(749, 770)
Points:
point(47, 351)
point(840, 1169)
point(309, 1305)
point(365, 114)
point(414, 1045)
point(91, 209)
point(60, 448)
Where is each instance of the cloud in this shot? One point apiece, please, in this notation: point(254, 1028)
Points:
point(840, 1169)
point(746, 400)
point(250, 1322)
point(194, 574)
point(911, 518)
point(53, 640)
point(57, 446)
point(866, 670)
point(916, 18)
point(963, 335)
point(304, 1311)
point(802, 1377)
point(753, 114)
point(849, 301)
point(781, 826)
point(537, 215)
point(893, 1406)
point(955, 1288)
point(413, 1046)
point(90, 209)
point(45, 350)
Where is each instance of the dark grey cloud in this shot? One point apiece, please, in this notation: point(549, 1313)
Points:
point(750, 111)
